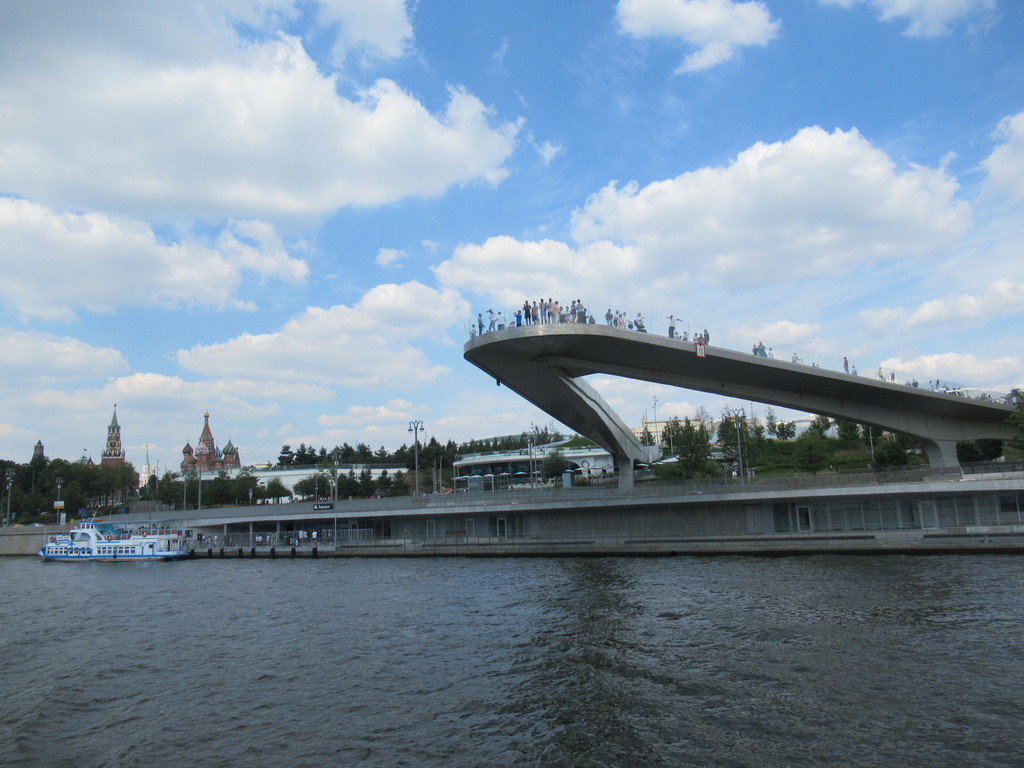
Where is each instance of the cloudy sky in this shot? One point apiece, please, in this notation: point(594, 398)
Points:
point(284, 212)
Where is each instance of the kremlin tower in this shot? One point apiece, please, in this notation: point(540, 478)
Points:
point(113, 453)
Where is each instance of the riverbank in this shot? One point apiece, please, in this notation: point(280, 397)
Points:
point(1007, 539)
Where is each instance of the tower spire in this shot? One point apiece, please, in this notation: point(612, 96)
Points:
point(113, 453)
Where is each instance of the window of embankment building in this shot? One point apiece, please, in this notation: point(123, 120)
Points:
point(986, 510)
point(1009, 509)
point(889, 511)
point(946, 506)
point(804, 518)
point(757, 517)
point(846, 515)
point(781, 517)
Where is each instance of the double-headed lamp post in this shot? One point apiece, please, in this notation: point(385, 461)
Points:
point(736, 415)
point(9, 483)
point(58, 507)
point(415, 427)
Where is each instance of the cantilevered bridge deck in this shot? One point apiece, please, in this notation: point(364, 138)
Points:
point(545, 364)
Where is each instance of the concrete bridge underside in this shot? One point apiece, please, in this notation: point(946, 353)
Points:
point(545, 364)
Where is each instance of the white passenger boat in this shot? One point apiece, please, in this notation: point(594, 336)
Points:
point(92, 540)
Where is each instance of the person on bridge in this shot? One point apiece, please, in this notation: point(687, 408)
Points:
point(671, 327)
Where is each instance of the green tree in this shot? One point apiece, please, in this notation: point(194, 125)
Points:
point(218, 492)
point(552, 465)
point(771, 422)
point(304, 455)
point(168, 490)
point(670, 435)
point(812, 452)
point(891, 450)
point(367, 486)
point(246, 486)
point(734, 437)
point(692, 446)
point(316, 486)
point(286, 457)
point(821, 425)
point(848, 432)
point(785, 430)
point(276, 490)
point(978, 450)
point(348, 486)
point(1016, 419)
point(646, 438)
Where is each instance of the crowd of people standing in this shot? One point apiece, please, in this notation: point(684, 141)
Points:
point(551, 312)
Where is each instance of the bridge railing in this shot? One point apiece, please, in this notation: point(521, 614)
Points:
point(686, 331)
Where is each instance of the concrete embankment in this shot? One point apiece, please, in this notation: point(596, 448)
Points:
point(27, 540)
point(19, 541)
point(932, 542)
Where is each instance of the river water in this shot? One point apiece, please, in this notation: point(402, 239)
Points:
point(800, 661)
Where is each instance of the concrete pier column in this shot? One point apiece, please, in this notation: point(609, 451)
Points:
point(941, 453)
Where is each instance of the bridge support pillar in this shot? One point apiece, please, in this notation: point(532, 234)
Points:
point(626, 475)
point(941, 453)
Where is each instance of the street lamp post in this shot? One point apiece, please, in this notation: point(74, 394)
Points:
point(58, 506)
point(415, 427)
point(10, 484)
point(657, 439)
point(529, 447)
point(736, 414)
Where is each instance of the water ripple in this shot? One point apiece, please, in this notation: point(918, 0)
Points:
point(844, 661)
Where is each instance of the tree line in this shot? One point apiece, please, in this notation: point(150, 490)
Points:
point(30, 490)
point(701, 448)
point(431, 452)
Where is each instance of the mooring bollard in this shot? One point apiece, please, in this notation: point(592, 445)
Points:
point(314, 552)
point(273, 554)
point(252, 552)
point(209, 552)
point(293, 551)
point(222, 551)
point(239, 551)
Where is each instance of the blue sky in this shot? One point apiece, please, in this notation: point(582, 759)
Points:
point(284, 212)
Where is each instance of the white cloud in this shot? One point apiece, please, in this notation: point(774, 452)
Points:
point(999, 299)
point(43, 31)
point(106, 263)
point(717, 28)
point(996, 374)
point(781, 332)
point(382, 27)
point(925, 18)
point(549, 151)
point(508, 270)
point(390, 257)
point(256, 132)
point(1005, 165)
point(30, 357)
point(364, 346)
point(814, 205)
point(264, 253)
point(358, 417)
